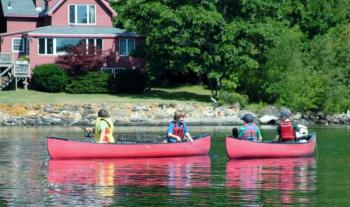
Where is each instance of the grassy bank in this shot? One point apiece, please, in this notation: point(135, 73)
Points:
point(155, 95)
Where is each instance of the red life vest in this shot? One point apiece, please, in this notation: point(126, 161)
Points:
point(286, 131)
point(249, 132)
point(179, 130)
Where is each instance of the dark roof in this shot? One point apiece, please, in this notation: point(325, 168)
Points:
point(21, 8)
point(81, 31)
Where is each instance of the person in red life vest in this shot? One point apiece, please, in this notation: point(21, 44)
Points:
point(249, 130)
point(286, 129)
point(178, 130)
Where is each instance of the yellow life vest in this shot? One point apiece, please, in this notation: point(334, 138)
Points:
point(108, 131)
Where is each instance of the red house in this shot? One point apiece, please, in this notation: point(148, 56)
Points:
point(45, 29)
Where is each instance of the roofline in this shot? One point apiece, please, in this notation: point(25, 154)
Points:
point(80, 35)
point(27, 16)
point(58, 4)
point(16, 32)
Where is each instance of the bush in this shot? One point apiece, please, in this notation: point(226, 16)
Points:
point(49, 78)
point(226, 97)
point(129, 81)
point(92, 82)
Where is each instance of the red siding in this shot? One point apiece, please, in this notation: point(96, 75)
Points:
point(103, 15)
point(6, 45)
point(35, 58)
point(21, 23)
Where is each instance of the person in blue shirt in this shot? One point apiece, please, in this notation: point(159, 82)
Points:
point(178, 130)
point(249, 130)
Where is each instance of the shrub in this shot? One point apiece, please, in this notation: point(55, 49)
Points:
point(226, 97)
point(49, 78)
point(129, 81)
point(92, 82)
point(79, 60)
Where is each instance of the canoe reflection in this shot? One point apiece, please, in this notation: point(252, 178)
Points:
point(287, 179)
point(179, 172)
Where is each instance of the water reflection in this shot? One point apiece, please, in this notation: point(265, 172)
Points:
point(272, 181)
point(104, 178)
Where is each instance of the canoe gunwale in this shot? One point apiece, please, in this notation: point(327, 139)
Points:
point(196, 138)
point(313, 136)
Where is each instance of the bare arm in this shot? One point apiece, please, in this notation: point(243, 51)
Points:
point(102, 135)
point(174, 136)
point(189, 137)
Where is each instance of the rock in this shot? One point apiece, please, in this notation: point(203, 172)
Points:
point(268, 119)
point(140, 108)
point(345, 120)
point(270, 110)
point(322, 121)
point(297, 116)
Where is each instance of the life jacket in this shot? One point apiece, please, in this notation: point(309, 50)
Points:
point(250, 132)
point(108, 131)
point(286, 131)
point(179, 130)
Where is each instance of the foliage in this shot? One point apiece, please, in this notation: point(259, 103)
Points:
point(129, 81)
point(225, 97)
point(329, 56)
point(49, 78)
point(261, 48)
point(23, 58)
point(80, 60)
point(90, 83)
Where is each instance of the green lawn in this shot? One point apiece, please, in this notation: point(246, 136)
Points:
point(156, 95)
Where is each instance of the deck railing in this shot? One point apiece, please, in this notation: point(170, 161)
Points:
point(6, 59)
point(113, 70)
point(22, 69)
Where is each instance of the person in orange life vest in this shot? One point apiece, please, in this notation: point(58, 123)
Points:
point(249, 130)
point(286, 129)
point(103, 128)
point(177, 129)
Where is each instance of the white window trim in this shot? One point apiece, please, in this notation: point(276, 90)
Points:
point(23, 45)
point(127, 46)
point(76, 14)
point(63, 53)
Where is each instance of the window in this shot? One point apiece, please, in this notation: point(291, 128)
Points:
point(18, 44)
point(82, 14)
point(60, 46)
point(46, 46)
point(126, 46)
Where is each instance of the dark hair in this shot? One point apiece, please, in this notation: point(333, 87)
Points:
point(178, 114)
point(103, 113)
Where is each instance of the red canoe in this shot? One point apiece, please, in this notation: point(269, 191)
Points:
point(60, 148)
point(244, 149)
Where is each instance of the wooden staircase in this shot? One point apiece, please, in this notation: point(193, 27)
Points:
point(5, 81)
point(6, 70)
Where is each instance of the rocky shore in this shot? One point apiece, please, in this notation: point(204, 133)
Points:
point(150, 114)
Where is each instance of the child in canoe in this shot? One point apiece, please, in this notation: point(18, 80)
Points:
point(103, 128)
point(178, 130)
point(249, 130)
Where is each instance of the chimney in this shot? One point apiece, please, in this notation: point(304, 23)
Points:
point(9, 5)
point(38, 5)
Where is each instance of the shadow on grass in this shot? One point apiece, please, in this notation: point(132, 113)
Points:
point(174, 95)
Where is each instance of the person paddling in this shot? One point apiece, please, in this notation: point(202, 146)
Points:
point(249, 130)
point(286, 129)
point(178, 129)
point(103, 128)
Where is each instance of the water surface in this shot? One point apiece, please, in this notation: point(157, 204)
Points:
point(30, 178)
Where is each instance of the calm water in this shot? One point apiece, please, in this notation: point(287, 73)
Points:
point(29, 178)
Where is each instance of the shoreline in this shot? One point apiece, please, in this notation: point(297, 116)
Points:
point(150, 115)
